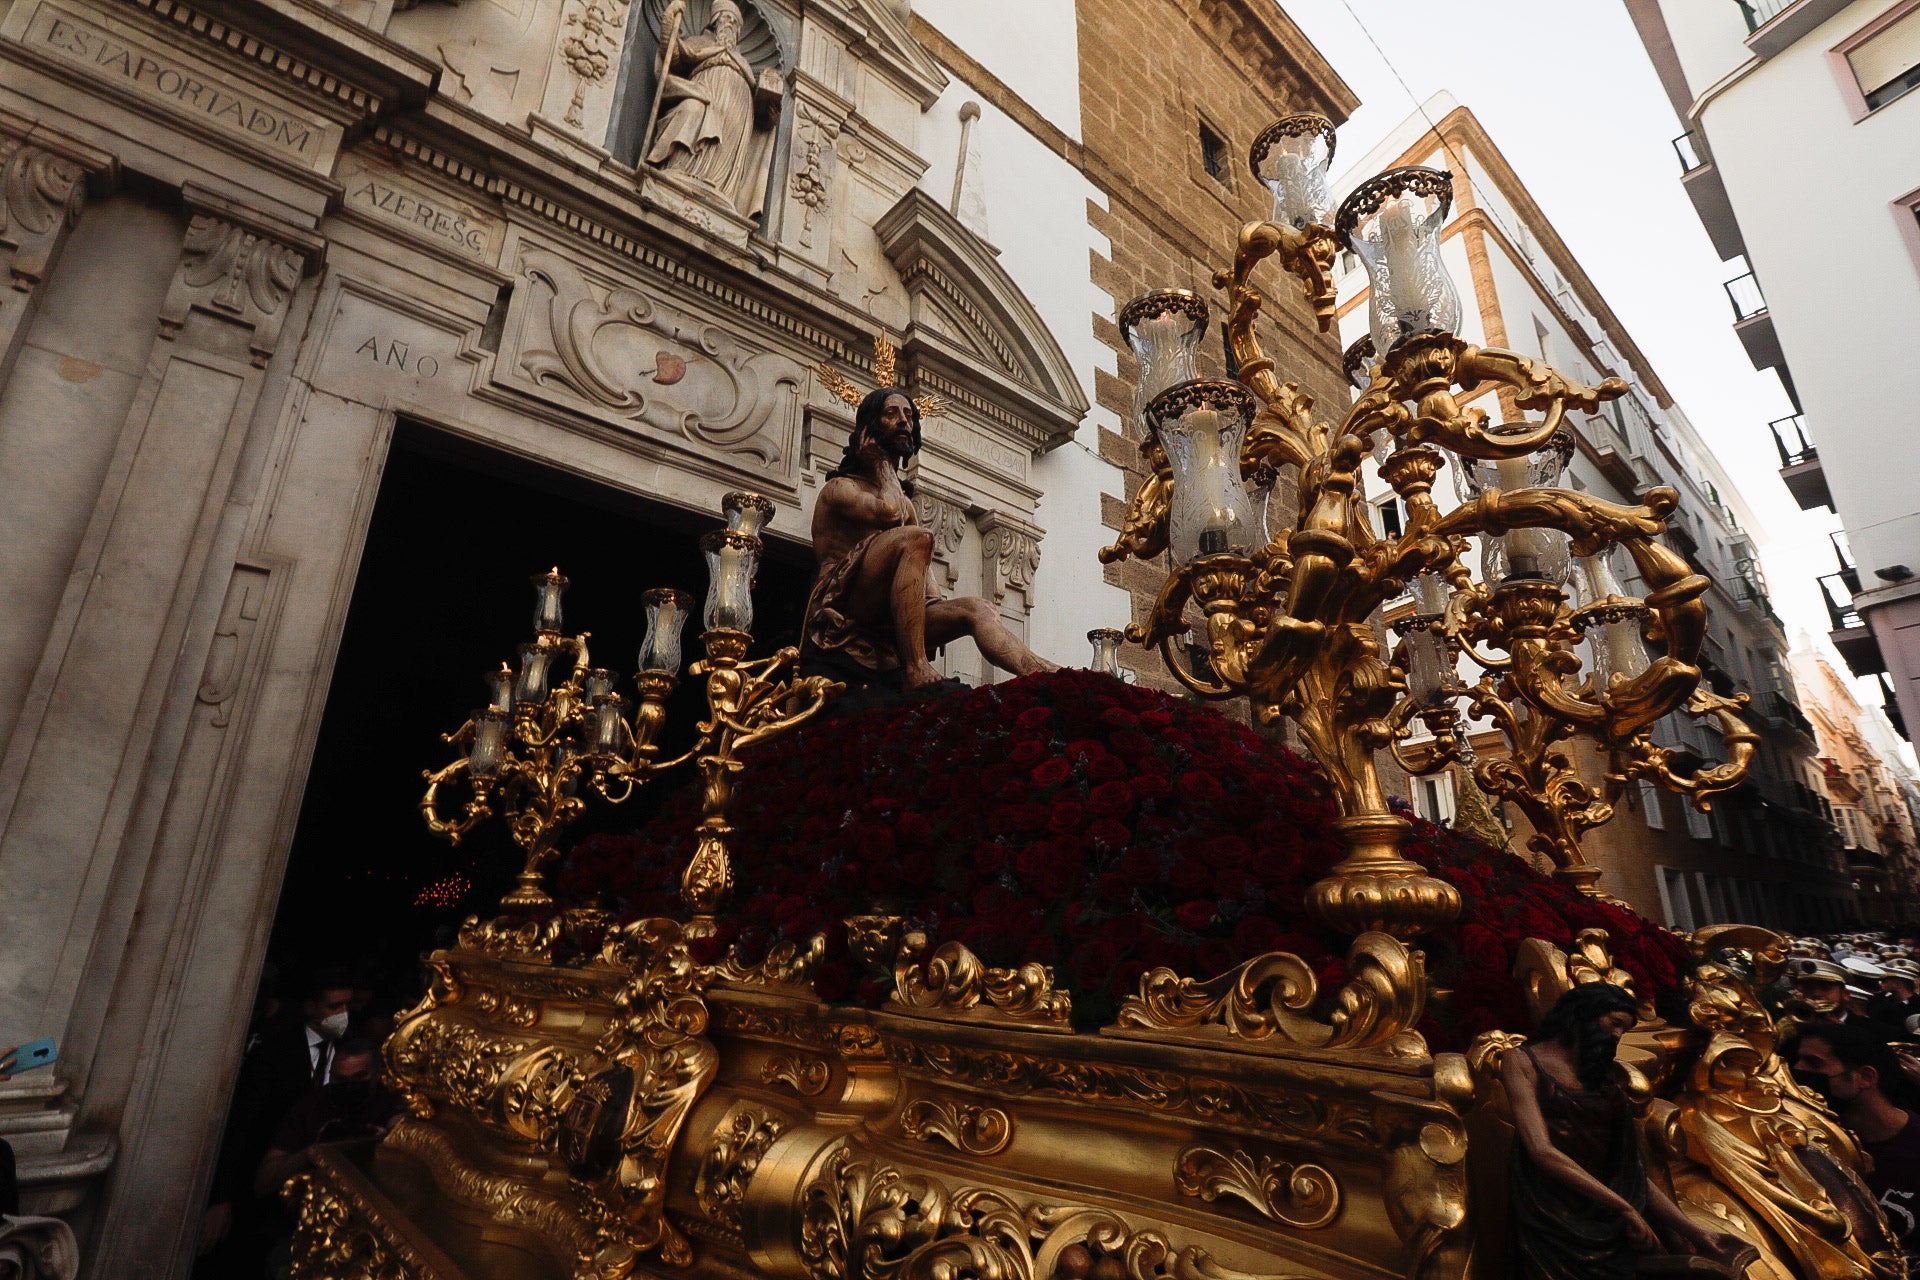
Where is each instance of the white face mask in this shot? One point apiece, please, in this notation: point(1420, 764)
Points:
point(334, 1025)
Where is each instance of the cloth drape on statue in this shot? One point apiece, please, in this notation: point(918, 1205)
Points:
point(1558, 1233)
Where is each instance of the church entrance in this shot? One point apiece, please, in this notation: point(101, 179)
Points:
point(443, 597)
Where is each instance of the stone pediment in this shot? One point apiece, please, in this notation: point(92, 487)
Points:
point(878, 31)
point(971, 330)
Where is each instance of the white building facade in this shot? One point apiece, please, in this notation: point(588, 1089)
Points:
point(1802, 156)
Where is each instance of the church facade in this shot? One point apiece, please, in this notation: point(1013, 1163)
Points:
point(251, 243)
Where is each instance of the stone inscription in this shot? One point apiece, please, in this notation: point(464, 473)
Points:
point(164, 76)
point(397, 355)
point(378, 190)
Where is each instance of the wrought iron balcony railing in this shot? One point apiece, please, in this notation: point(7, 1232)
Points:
point(1839, 600)
point(1790, 437)
point(1744, 293)
point(1759, 13)
point(1692, 155)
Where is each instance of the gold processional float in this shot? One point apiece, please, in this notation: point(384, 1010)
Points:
point(640, 1113)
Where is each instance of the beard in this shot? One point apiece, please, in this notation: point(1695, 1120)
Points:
point(1594, 1065)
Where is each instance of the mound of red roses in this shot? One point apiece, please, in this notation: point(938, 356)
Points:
point(1086, 824)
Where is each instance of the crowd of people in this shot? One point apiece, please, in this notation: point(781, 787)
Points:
point(310, 1075)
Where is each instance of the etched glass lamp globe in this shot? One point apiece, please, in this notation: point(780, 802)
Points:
point(1290, 157)
point(1163, 328)
point(1520, 553)
point(1200, 426)
point(1392, 223)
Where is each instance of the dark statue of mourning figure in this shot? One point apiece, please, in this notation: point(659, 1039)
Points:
point(1581, 1206)
point(874, 616)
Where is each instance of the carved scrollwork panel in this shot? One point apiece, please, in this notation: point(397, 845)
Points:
point(739, 1144)
point(863, 1219)
point(233, 271)
point(1299, 1195)
point(803, 1073)
point(953, 983)
point(974, 1128)
point(630, 358)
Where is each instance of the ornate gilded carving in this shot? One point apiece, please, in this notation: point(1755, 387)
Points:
point(619, 1130)
point(787, 964)
point(1299, 1195)
point(974, 1128)
point(507, 1200)
point(803, 1073)
point(952, 982)
point(739, 1144)
point(337, 1236)
point(863, 1219)
point(1268, 997)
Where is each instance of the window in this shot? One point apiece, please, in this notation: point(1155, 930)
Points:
point(1881, 61)
point(1388, 512)
point(1650, 806)
point(1673, 899)
point(1214, 156)
point(1433, 797)
point(1699, 825)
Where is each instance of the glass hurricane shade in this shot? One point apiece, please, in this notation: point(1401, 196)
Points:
point(536, 669)
point(490, 725)
point(1200, 426)
point(1106, 650)
point(599, 683)
point(667, 613)
point(1425, 641)
point(1291, 157)
point(1521, 553)
point(1392, 223)
point(732, 561)
point(1618, 643)
point(1164, 329)
point(747, 513)
point(500, 688)
point(548, 587)
point(608, 723)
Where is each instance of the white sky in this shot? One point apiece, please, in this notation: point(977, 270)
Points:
point(1567, 93)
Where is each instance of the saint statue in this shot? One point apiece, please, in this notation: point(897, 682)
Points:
point(874, 611)
point(1581, 1206)
point(715, 113)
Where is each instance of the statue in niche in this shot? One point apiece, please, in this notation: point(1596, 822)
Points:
point(715, 113)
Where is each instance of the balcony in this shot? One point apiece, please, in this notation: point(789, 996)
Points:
point(1800, 467)
point(1891, 706)
point(1753, 323)
point(1850, 634)
point(1701, 181)
point(1775, 24)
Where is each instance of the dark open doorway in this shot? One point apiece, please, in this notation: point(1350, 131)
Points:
point(443, 597)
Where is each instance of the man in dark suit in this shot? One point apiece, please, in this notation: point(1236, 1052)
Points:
point(290, 1056)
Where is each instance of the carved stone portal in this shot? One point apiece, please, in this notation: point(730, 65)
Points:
point(718, 90)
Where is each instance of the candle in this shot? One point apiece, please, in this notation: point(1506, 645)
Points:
point(500, 688)
point(1525, 548)
point(666, 616)
point(548, 587)
point(731, 560)
point(533, 674)
point(1400, 233)
point(489, 741)
point(1106, 650)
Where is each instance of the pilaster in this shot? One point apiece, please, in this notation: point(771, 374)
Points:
point(43, 186)
point(1010, 556)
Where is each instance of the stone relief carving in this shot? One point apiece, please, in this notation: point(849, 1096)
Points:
point(230, 270)
point(717, 96)
point(947, 521)
point(590, 48)
point(232, 641)
point(812, 157)
point(40, 195)
point(621, 351)
point(1011, 552)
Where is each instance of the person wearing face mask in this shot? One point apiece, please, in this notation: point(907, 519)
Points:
point(291, 1055)
point(352, 1104)
point(1852, 1068)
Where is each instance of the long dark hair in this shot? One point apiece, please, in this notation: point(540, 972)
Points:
point(866, 422)
point(1577, 1011)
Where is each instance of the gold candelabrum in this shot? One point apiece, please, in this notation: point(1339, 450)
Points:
point(556, 730)
point(1258, 504)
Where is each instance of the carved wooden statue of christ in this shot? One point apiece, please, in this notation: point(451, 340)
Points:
point(874, 606)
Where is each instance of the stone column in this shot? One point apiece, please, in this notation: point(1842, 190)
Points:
point(92, 737)
point(43, 185)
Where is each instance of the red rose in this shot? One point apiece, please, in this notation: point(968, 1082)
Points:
point(1093, 963)
point(1131, 742)
point(1195, 915)
point(1151, 786)
point(1198, 787)
point(1106, 768)
point(1027, 753)
point(990, 858)
point(1139, 865)
point(1126, 977)
point(1119, 718)
point(1037, 718)
point(1110, 800)
point(1225, 851)
point(1126, 929)
point(1255, 936)
point(1049, 773)
point(1213, 957)
point(1188, 876)
point(1109, 834)
point(1066, 818)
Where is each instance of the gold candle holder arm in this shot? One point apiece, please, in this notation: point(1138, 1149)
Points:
point(475, 811)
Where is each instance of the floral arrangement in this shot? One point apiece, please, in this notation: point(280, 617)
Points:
point(1090, 825)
